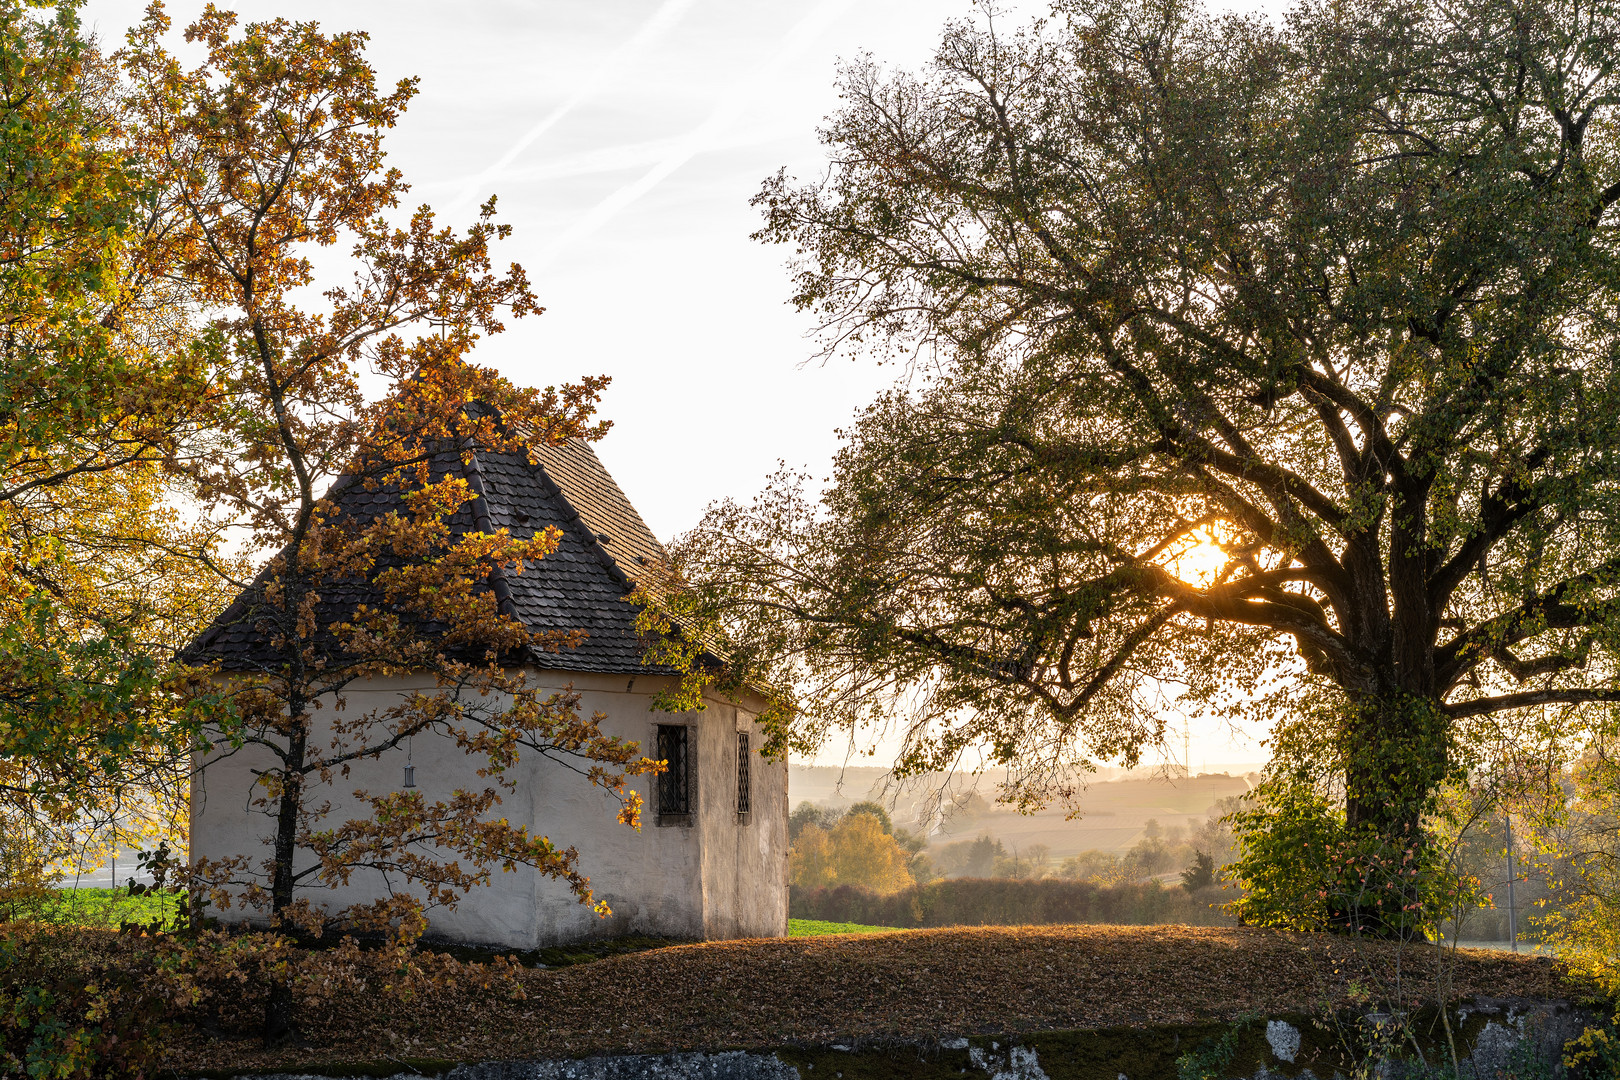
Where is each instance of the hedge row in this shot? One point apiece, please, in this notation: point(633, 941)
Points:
point(1011, 902)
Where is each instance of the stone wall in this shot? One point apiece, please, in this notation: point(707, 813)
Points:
point(1497, 1039)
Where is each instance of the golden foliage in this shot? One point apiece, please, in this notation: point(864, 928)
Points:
point(268, 151)
point(95, 394)
point(856, 851)
point(1583, 850)
point(93, 591)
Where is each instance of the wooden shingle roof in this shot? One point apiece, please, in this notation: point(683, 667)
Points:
point(583, 585)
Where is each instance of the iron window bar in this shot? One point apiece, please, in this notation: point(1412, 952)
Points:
point(745, 795)
point(674, 786)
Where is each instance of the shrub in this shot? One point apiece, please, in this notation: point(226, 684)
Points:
point(62, 1018)
point(81, 1003)
point(1201, 874)
point(1001, 901)
point(1585, 927)
point(1596, 1052)
point(1302, 868)
point(223, 977)
point(1285, 836)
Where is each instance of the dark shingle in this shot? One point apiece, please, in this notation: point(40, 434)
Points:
point(582, 585)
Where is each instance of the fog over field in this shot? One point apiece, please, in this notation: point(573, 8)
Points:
point(1114, 809)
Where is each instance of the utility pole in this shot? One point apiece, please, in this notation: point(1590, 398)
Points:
point(1513, 914)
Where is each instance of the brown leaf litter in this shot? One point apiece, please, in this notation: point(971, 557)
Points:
point(912, 986)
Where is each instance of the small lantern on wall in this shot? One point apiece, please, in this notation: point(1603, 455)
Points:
point(410, 768)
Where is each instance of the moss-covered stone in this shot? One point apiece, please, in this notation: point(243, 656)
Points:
point(1326, 1046)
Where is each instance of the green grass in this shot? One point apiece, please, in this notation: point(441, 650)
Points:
point(95, 907)
point(817, 927)
point(579, 952)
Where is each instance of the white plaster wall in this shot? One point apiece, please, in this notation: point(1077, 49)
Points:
point(716, 878)
point(744, 860)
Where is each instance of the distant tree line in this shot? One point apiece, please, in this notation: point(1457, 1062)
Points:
point(1004, 901)
point(857, 846)
point(860, 846)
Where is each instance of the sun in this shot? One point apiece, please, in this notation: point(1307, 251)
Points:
point(1199, 562)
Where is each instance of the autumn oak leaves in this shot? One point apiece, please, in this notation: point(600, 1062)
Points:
point(269, 148)
point(177, 357)
point(1329, 304)
point(1336, 292)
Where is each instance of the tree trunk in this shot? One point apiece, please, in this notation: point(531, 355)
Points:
point(278, 1010)
point(1395, 758)
point(278, 1015)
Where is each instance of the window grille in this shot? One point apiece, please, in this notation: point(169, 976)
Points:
point(745, 798)
point(674, 783)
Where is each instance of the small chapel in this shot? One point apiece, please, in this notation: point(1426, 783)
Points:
point(710, 859)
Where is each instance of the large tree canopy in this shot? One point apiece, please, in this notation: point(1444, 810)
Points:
point(270, 150)
point(97, 392)
point(1237, 351)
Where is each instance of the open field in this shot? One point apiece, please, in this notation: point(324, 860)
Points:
point(820, 928)
point(1528, 948)
point(922, 984)
point(97, 907)
point(1114, 812)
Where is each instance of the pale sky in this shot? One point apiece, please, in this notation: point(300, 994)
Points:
point(624, 139)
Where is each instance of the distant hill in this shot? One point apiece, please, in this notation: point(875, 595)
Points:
point(1113, 812)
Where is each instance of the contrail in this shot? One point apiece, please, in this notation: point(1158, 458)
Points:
point(667, 15)
point(620, 158)
point(732, 103)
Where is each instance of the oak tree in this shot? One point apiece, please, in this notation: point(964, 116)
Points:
point(1262, 369)
point(270, 150)
point(97, 392)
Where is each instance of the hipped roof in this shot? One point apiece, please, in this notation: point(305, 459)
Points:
point(605, 549)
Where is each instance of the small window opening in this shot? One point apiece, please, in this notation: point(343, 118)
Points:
point(674, 783)
point(745, 795)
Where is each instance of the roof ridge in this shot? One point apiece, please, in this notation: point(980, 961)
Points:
point(592, 539)
point(474, 476)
